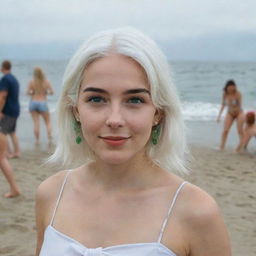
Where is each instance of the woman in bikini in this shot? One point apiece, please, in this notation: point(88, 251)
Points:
point(120, 127)
point(38, 89)
point(232, 99)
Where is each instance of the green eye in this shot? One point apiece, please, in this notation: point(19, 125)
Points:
point(136, 100)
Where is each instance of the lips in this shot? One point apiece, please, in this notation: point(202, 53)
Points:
point(114, 140)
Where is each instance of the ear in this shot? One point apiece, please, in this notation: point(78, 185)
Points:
point(76, 113)
point(159, 116)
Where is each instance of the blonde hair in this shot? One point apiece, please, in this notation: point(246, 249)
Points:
point(170, 151)
point(39, 83)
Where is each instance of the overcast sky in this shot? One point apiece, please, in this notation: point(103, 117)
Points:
point(187, 29)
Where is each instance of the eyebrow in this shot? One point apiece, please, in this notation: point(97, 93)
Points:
point(131, 91)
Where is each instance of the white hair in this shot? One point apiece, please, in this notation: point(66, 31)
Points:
point(170, 151)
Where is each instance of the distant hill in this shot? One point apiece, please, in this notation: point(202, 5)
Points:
point(219, 47)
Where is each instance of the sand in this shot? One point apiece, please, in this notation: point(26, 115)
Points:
point(228, 177)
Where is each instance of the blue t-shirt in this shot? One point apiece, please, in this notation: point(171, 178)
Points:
point(10, 84)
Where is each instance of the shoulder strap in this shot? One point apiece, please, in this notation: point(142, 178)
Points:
point(59, 197)
point(170, 210)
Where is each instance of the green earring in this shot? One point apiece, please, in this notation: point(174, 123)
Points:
point(155, 134)
point(77, 128)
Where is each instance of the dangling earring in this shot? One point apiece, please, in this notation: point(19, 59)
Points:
point(155, 134)
point(77, 128)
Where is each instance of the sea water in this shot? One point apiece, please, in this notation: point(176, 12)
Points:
point(200, 86)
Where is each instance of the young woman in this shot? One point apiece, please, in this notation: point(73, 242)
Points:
point(249, 131)
point(120, 126)
point(232, 99)
point(38, 89)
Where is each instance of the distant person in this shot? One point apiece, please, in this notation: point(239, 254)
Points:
point(9, 112)
point(9, 89)
point(38, 89)
point(249, 131)
point(232, 99)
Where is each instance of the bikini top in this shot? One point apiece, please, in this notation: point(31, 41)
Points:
point(233, 102)
point(58, 244)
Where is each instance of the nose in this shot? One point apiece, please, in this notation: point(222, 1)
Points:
point(115, 117)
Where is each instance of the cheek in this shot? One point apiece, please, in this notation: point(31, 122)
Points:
point(91, 121)
point(142, 124)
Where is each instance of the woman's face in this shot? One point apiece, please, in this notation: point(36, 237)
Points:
point(231, 89)
point(115, 108)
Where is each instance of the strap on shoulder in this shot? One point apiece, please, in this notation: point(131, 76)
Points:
point(170, 210)
point(59, 197)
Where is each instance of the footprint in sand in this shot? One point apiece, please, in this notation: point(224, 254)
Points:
point(20, 220)
point(18, 227)
point(8, 249)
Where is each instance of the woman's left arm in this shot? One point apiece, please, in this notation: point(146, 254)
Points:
point(208, 232)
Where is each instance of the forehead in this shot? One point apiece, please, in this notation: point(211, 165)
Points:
point(114, 70)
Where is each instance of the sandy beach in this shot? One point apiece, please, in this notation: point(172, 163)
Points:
point(228, 177)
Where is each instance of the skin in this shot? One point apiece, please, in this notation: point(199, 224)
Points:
point(4, 163)
point(36, 115)
point(249, 133)
point(231, 94)
point(122, 193)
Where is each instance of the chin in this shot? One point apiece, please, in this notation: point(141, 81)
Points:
point(116, 158)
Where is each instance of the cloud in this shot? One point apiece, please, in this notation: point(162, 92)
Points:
point(48, 20)
point(54, 28)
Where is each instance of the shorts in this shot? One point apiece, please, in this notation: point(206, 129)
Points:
point(8, 124)
point(39, 106)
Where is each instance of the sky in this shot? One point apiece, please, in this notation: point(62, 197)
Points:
point(184, 29)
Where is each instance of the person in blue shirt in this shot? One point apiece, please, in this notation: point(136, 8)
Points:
point(9, 112)
point(9, 89)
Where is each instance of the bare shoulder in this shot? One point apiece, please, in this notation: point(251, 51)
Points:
point(239, 94)
point(204, 225)
point(48, 84)
point(31, 83)
point(50, 185)
point(47, 193)
point(199, 203)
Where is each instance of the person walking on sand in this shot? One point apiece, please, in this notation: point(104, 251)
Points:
point(120, 125)
point(232, 99)
point(249, 131)
point(38, 89)
point(9, 89)
point(9, 112)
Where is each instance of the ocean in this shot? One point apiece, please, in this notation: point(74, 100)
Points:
point(199, 84)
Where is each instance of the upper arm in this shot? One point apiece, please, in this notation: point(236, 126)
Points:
point(207, 231)
point(239, 97)
point(3, 88)
point(223, 100)
point(41, 202)
point(3, 94)
point(46, 197)
point(29, 88)
point(49, 88)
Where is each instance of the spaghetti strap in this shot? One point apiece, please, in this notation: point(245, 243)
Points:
point(59, 197)
point(170, 211)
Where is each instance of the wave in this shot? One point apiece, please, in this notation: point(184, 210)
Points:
point(195, 111)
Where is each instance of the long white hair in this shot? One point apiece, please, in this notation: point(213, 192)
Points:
point(170, 151)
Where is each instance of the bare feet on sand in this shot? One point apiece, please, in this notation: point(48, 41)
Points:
point(17, 155)
point(12, 194)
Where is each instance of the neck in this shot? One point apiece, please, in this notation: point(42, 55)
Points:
point(138, 173)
